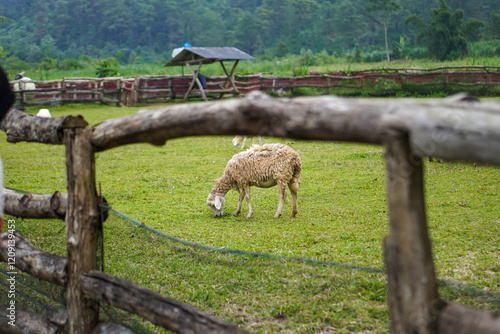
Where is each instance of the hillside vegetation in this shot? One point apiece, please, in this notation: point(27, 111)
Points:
point(69, 34)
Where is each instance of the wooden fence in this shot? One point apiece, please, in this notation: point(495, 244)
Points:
point(407, 128)
point(132, 90)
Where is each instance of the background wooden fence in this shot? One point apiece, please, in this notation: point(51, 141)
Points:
point(404, 127)
point(132, 90)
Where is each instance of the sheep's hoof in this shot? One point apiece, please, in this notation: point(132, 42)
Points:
point(236, 213)
point(250, 215)
point(293, 214)
point(277, 215)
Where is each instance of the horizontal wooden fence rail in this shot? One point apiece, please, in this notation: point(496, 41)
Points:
point(159, 88)
point(453, 128)
point(44, 266)
point(449, 128)
point(34, 205)
point(155, 307)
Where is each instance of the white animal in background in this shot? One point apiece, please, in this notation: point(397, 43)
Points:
point(261, 166)
point(239, 141)
point(44, 113)
point(24, 83)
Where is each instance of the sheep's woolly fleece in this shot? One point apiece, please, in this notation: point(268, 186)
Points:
point(259, 164)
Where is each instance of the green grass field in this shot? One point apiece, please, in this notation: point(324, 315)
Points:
point(341, 222)
point(279, 67)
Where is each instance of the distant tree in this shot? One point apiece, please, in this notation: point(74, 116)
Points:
point(3, 54)
point(446, 34)
point(4, 20)
point(385, 7)
point(493, 28)
point(246, 32)
point(349, 24)
point(132, 57)
point(401, 46)
point(282, 50)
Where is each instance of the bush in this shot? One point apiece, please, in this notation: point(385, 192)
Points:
point(14, 65)
point(307, 58)
point(104, 69)
point(375, 57)
point(48, 64)
point(484, 49)
point(70, 64)
point(417, 53)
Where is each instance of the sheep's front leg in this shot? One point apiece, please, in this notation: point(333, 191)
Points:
point(242, 195)
point(246, 190)
point(282, 190)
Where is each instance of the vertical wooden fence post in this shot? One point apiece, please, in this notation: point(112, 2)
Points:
point(82, 227)
point(413, 296)
point(136, 86)
point(172, 88)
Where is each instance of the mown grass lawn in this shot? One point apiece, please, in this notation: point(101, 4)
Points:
point(341, 222)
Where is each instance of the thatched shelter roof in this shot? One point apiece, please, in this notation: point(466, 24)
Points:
point(208, 55)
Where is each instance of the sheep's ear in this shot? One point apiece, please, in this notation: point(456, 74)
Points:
point(218, 203)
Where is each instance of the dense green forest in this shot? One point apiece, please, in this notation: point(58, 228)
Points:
point(146, 31)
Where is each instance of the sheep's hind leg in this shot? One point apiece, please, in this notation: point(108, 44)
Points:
point(246, 190)
point(282, 190)
point(294, 188)
point(238, 210)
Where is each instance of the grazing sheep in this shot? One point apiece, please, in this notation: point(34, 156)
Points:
point(24, 83)
point(44, 113)
point(261, 166)
point(239, 141)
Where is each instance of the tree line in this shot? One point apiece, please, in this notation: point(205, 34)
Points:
point(148, 30)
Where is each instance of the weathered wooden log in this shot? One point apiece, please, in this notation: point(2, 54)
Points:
point(412, 287)
point(20, 126)
point(83, 228)
point(448, 129)
point(44, 266)
point(103, 328)
point(31, 323)
point(35, 206)
point(458, 319)
point(150, 305)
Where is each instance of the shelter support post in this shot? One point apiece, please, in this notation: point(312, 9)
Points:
point(413, 297)
point(230, 77)
point(195, 80)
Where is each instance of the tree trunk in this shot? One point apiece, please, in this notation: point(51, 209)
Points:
point(386, 42)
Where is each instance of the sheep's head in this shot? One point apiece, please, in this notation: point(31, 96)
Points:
point(216, 204)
